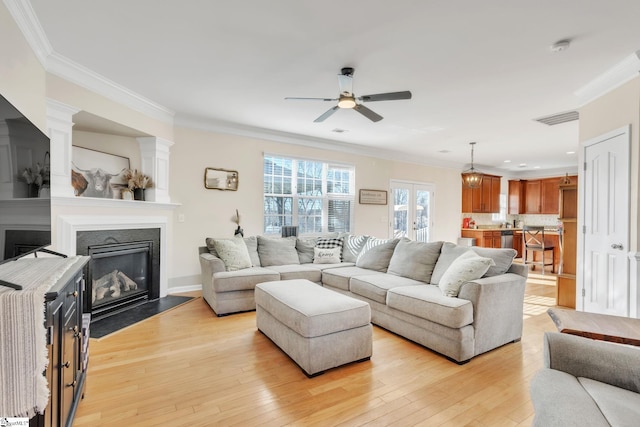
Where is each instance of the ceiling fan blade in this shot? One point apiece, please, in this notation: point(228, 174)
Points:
point(373, 116)
point(310, 99)
point(390, 96)
point(326, 114)
point(345, 83)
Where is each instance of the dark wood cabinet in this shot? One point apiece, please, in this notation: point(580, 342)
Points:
point(485, 199)
point(566, 288)
point(516, 197)
point(65, 373)
point(484, 238)
point(550, 195)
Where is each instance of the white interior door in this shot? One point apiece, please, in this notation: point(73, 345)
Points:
point(605, 187)
point(411, 210)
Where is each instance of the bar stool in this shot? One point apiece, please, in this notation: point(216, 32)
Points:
point(533, 240)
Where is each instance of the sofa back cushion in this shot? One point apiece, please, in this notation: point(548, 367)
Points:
point(415, 260)
point(305, 249)
point(252, 247)
point(376, 254)
point(352, 246)
point(233, 252)
point(277, 251)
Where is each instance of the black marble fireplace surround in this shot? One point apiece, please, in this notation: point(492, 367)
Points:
point(124, 271)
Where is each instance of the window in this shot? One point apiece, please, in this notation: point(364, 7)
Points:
point(316, 196)
point(502, 215)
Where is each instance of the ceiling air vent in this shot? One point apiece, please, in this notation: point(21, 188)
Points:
point(556, 119)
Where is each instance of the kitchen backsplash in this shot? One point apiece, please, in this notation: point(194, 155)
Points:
point(485, 219)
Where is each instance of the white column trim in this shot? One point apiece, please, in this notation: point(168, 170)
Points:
point(634, 280)
point(154, 152)
point(59, 128)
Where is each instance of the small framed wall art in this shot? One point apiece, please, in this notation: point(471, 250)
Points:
point(373, 197)
point(220, 179)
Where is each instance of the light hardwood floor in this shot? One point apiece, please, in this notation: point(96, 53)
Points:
point(187, 367)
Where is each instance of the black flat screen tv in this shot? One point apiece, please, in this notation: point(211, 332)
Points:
point(25, 202)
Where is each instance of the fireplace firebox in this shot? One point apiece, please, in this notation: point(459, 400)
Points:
point(124, 269)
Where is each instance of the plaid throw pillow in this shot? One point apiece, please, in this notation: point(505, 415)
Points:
point(330, 243)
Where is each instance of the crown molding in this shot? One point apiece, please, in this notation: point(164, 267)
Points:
point(236, 129)
point(83, 76)
point(25, 17)
point(54, 63)
point(616, 76)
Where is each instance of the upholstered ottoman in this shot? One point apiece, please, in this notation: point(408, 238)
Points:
point(318, 328)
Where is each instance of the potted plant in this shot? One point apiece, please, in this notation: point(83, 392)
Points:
point(37, 179)
point(137, 183)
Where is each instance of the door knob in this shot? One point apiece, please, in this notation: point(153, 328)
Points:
point(617, 246)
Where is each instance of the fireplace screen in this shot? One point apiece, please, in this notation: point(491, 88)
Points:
point(120, 274)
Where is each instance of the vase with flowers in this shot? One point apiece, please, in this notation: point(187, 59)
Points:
point(137, 183)
point(38, 179)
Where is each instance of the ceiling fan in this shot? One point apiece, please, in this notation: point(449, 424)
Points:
point(347, 99)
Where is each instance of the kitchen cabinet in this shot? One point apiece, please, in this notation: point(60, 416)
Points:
point(484, 238)
point(566, 287)
point(485, 199)
point(516, 197)
point(532, 204)
point(536, 196)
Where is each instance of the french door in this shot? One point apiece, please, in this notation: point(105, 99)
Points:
point(411, 210)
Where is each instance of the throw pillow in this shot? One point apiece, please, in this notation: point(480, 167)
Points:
point(233, 252)
point(376, 254)
point(502, 257)
point(415, 260)
point(352, 246)
point(277, 251)
point(329, 243)
point(326, 256)
point(252, 247)
point(305, 250)
point(468, 266)
point(448, 254)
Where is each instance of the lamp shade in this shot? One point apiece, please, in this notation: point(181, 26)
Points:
point(472, 178)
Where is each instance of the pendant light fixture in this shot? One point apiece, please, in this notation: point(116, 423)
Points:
point(471, 177)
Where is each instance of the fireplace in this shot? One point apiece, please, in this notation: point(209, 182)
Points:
point(124, 270)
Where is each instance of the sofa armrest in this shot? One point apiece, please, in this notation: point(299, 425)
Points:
point(209, 264)
point(615, 364)
point(497, 309)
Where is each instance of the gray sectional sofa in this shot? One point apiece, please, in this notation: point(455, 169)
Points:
point(406, 283)
point(586, 383)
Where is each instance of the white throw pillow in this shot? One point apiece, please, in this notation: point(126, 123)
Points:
point(468, 266)
point(233, 252)
point(327, 256)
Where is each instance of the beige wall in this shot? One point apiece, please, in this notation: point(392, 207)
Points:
point(614, 110)
point(208, 213)
point(22, 77)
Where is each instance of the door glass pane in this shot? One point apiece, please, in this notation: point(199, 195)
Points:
point(422, 216)
point(401, 212)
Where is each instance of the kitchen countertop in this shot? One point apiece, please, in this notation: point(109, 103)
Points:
point(515, 230)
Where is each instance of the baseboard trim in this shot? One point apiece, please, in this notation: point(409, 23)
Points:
point(181, 289)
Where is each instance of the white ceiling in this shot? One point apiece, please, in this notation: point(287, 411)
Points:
point(478, 70)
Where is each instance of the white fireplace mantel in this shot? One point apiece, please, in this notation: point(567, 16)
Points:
point(69, 225)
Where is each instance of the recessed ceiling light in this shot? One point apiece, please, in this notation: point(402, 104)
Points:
point(571, 152)
point(522, 165)
point(507, 161)
point(444, 151)
point(536, 167)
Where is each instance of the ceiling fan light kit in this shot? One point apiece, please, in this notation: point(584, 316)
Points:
point(472, 178)
point(347, 100)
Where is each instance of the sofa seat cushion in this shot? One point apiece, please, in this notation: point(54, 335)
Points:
point(323, 267)
point(619, 406)
point(339, 277)
point(375, 286)
point(226, 281)
point(427, 302)
point(311, 310)
point(560, 400)
point(298, 271)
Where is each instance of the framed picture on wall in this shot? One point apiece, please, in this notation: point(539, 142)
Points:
point(98, 174)
point(373, 197)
